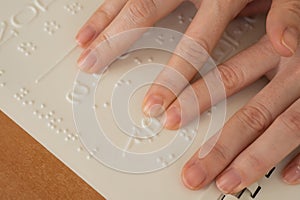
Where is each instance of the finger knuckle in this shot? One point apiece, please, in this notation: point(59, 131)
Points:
point(234, 5)
point(141, 10)
point(255, 162)
point(103, 13)
point(193, 52)
point(221, 153)
point(291, 123)
point(294, 8)
point(105, 40)
point(231, 76)
point(256, 117)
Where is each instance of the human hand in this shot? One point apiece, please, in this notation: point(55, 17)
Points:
point(115, 16)
point(261, 133)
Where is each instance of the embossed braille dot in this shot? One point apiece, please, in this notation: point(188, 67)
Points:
point(128, 82)
point(106, 105)
point(137, 141)
point(150, 59)
point(79, 149)
point(95, 107)
point(27, 48)
point(171, 156)
point(164, 164)
point(137, 61)
point(73, 8)
point(188, 138)
point(194, 132)
point(51, 27)
point(181, 134)
point(2, 84)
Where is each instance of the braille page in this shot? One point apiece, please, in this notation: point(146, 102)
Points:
point(42, 90)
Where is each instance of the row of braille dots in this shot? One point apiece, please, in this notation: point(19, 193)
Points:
point(140, 61)
point(27, 48)
point(160, 39)
point(21, 96)
point(136, 59)
point(51, 27)
point(91, 154)
point(166, 160)
point(53, 122)
point(2, 84)
point(181, 19)
point(123, 82)
point(105, 105)
point(73, 8)
point(187, 135)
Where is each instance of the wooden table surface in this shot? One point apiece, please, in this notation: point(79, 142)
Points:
point(29, 171)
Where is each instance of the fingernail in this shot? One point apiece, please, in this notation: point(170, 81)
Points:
point(86, 35)
point(194, 176)
point(153, 106)
point(292, 175)
point(290, 39)
point(229, 181)
point(87, 60)
point(173, 118)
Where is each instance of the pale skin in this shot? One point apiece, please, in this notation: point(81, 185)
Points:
point(266, 129)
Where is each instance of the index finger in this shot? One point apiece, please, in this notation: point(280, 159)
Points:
point(205, 30)
point(135, 14)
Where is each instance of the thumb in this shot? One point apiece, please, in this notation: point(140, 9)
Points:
point(283, 26)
